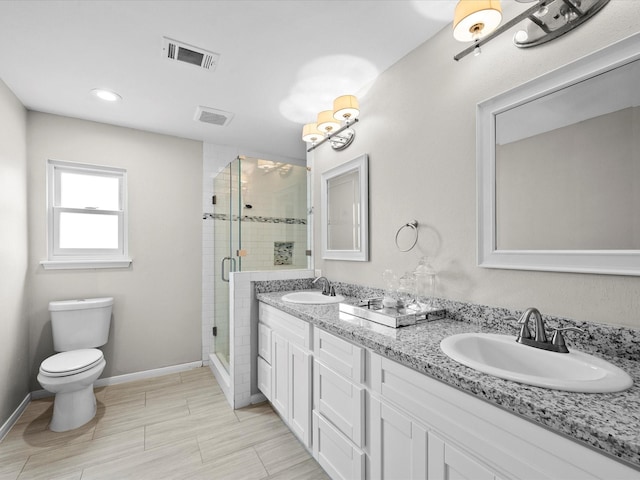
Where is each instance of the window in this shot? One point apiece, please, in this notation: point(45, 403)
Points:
point(87, 216)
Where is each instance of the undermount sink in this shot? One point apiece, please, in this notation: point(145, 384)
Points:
point(311, 298)
point(502, 356)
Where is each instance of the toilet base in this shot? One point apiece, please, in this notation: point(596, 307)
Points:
point(73, 409)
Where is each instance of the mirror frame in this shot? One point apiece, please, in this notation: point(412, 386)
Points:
point(611, 262)
point(359, 165)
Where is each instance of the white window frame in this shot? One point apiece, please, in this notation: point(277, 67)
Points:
point(74, 258)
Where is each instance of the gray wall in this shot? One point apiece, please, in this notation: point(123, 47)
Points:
point(157, 310)
point(418, 127)
point(14, 328)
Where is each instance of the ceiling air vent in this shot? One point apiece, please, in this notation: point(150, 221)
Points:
point(213, 116)
point(181, 52)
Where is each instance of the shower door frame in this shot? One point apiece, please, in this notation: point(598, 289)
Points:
point(225, 258)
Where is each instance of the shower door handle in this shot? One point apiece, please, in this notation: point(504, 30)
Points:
point(233, 267)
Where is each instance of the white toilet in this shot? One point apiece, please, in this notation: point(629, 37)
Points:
point(79, 326)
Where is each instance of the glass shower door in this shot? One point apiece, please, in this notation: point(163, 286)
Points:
point(226, 243)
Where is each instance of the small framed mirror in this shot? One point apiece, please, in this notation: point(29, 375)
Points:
point(345, 211)
point(559, 168)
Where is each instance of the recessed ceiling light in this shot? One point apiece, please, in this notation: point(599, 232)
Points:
point(106, 95)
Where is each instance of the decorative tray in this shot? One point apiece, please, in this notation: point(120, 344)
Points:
point(373, 310)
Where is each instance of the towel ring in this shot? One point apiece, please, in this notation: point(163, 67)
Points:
point(413, 224)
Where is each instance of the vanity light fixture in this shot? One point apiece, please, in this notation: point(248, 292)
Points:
point(106, 95)
point(475, 21)
point(334, 125)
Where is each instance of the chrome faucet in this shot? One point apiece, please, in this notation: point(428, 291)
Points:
point(326, 286)
point(540, 340)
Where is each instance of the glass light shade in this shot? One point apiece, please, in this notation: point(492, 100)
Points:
point(474, 19)
point(326, 122)
point(345, 107)
point(310, 133)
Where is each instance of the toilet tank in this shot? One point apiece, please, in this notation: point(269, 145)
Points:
point(80, 323)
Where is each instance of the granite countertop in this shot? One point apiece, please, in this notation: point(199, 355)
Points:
point(608, 422)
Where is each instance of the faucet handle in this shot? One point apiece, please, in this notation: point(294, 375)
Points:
point(524, 329)
point(558, 339)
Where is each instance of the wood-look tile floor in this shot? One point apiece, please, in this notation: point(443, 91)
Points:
point(177, 426)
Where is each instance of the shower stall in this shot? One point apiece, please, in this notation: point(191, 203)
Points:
point(259, 224)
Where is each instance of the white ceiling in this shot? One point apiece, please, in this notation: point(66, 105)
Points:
point(280, 61)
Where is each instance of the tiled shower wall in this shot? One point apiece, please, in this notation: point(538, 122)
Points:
point(260, 240)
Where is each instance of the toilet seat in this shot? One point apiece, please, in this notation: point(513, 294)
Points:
point(70, 363)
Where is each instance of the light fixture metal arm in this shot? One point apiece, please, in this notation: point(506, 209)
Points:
point(333, 134)
point(502, 28)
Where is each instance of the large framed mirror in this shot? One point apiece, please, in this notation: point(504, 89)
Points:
point(345, 211)
point(558, 162)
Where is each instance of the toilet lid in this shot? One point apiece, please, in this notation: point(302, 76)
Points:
point(72, 362)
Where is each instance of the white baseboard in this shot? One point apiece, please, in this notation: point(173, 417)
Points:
point(14, 416)
point(156, 372)
point(130, 377)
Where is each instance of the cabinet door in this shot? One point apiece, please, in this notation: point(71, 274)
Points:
point(264, 378)
point(280, 374)
point(264, 342)
point(398, 444)
point(449, 463)
point(299, 413)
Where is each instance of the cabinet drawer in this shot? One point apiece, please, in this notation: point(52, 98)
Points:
point(264, 378)
point(339, 355)
point(340, 401)
point(335, 453)
point(264, 342)
point(293, 329)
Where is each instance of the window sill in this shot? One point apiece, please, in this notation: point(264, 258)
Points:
point(85, 264)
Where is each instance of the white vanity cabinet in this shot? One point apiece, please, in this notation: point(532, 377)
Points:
point(466, 438)
point(373, 418)
point(402, 447)
point(338, 406)
point(284, 368)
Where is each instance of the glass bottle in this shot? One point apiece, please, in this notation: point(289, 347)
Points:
point(425, 276)
point(390, 298)
point(407, 289)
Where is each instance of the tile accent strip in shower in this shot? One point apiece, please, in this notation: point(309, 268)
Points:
point(254, 218)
